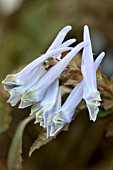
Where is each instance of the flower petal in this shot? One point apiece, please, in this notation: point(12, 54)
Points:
point(90, 92)
point(65, 113)
point(60, 37)
point(36, 93)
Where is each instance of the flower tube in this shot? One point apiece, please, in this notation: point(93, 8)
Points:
point(65, 113)
point(90, 92)
point(18, 84)
point(36, 92)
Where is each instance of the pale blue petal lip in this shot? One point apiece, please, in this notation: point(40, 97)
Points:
point(36, 93)
point(54, 129)
point(59, 38)
point(35, 108)
point(15, 96)
point(92, 112)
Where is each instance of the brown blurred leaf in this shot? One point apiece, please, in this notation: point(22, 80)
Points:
point(72, 63)
point(14, 156)
point(111, 82)
point(5, 109)
point(40, 141)
point(107, 103)
point(105, 80)
point(98, 73)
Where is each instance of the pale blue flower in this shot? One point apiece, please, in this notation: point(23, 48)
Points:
point(65, 113)
point(36, 92)
point(44, 109)
point(90, 92)
point(18, 84)
point(57, 43)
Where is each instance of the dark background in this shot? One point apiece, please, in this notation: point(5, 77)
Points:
point(26, 31)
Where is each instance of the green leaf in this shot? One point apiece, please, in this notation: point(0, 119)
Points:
point(5, 109)
point(103, 113)
point(14, 156)
point(5, 117)
point(40, 141)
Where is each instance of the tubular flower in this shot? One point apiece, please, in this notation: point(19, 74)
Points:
point(90, 92)
point(18, 84)
point(44, 109)
point(37, 91)
point(65, 113)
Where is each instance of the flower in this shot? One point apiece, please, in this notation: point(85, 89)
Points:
point(36, 92)
point(44, 109)
point(64, 114)
point(18, 84)
point(90, 92)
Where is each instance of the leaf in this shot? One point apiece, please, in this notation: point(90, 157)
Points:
point(111, 82)
point(103, 113)
point(5, 109)
point(98, 73)
point(107, 103)
point(72, 63)
point(105, 80)
point(40, 141)
point(14, 156)
point(5, 117)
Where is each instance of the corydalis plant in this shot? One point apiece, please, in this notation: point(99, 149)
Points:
point(37, 85)
point(18, 84)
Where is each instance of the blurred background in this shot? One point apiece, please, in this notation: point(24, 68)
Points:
point(27, 28)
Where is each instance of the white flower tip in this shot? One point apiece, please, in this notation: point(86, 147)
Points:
point(73, 40)
point(86, 27)
point(67, 28)
point(93, 119)
point(86, 33)
point(99, 60)
point(103, 54)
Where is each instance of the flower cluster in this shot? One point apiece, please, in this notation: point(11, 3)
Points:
point(39, 88)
